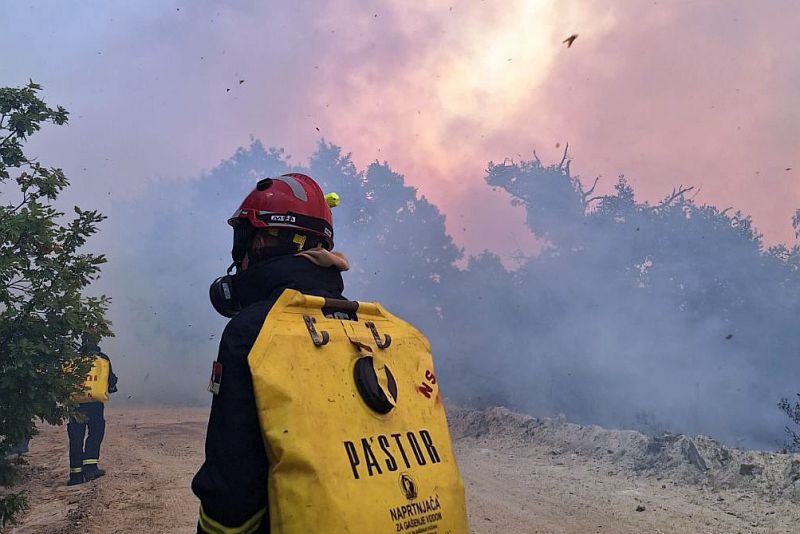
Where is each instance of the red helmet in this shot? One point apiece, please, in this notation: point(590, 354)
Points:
point(292, 201)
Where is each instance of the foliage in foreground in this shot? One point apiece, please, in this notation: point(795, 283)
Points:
point(43, 273)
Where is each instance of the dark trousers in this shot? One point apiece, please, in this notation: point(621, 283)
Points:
point(86, 454)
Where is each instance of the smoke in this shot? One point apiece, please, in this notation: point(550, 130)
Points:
point(599, 320)
point(670, 315)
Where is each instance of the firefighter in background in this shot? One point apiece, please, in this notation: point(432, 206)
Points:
point(282, 239)
point(84, 451)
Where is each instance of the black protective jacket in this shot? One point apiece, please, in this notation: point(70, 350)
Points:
point(232, 483)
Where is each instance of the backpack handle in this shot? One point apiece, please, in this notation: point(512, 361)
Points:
point(341, 304)
point(311, 301)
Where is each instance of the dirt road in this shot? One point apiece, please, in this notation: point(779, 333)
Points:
point(512, 487)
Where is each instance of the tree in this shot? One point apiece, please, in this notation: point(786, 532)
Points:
point(672, 308)
point(43, 275)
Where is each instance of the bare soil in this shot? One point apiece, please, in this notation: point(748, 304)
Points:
point(522, 475)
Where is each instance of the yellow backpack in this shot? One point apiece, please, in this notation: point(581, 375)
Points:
point(96, 385)
point(353, 423)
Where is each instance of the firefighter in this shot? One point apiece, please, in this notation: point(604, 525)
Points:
point(84, 451)
point(282, 239)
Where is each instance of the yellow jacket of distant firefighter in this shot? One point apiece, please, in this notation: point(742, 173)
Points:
point(96, 385)
point(353, 423)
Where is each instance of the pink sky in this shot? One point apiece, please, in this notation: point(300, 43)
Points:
point(702, 93)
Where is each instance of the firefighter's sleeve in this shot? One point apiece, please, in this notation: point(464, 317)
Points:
point(112, 379)
point(232, 483)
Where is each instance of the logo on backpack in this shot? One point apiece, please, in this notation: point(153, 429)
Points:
point(408, 486)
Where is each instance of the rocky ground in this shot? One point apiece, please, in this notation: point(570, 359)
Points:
point(522, 475)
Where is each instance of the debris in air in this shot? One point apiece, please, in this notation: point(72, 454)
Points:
point(571, 39)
